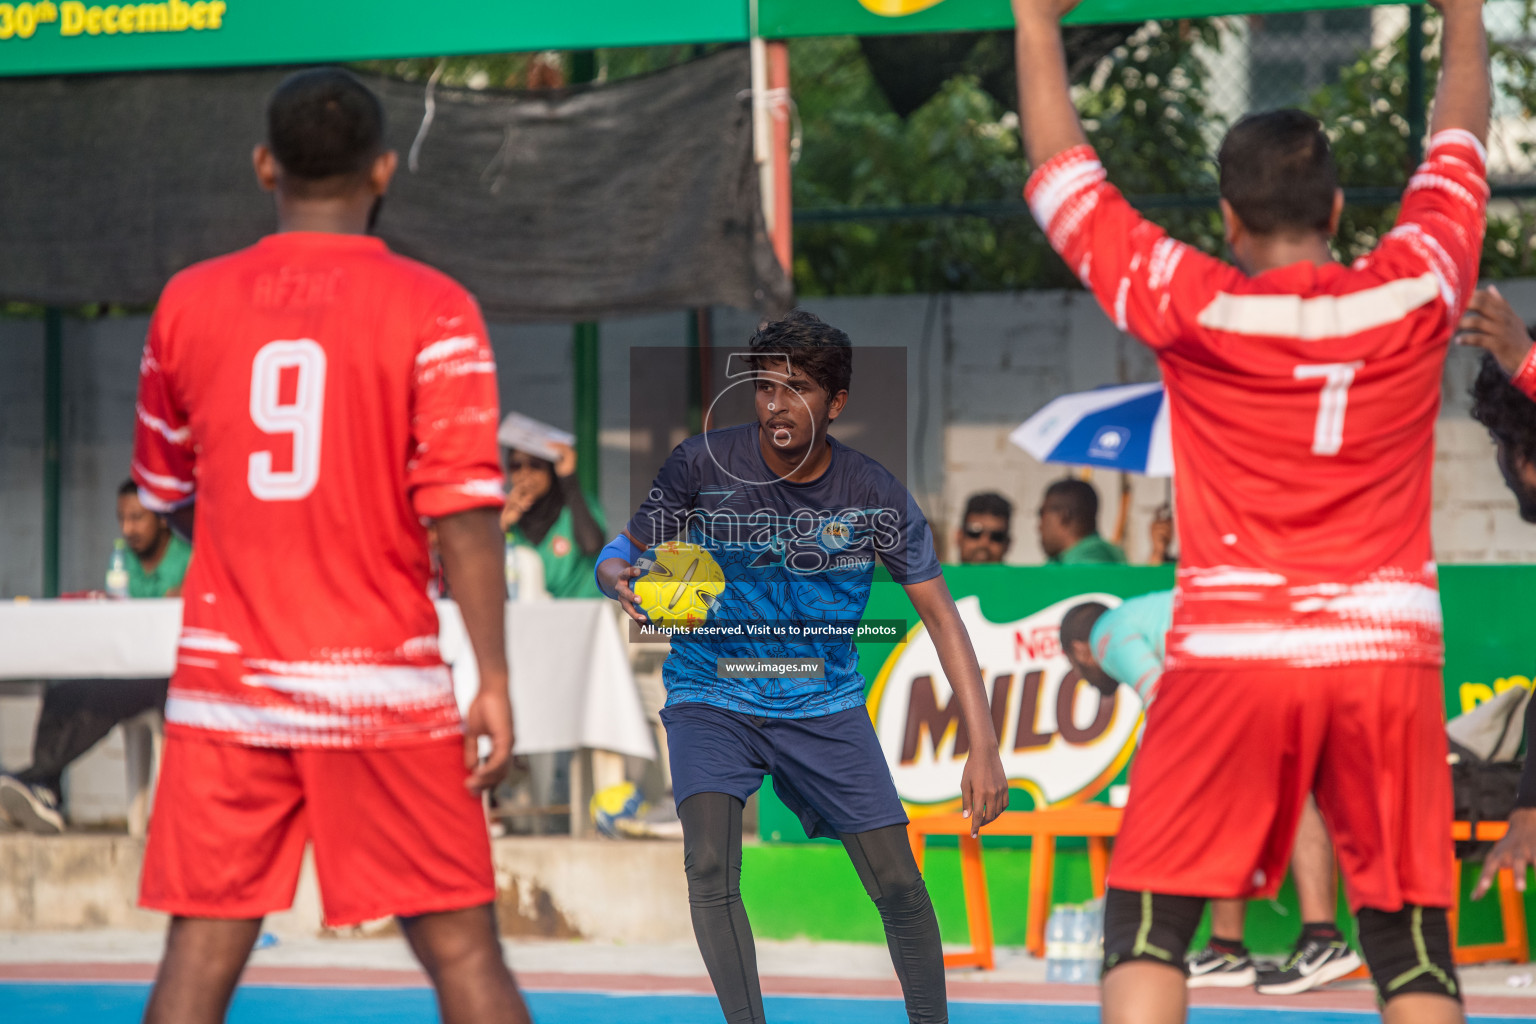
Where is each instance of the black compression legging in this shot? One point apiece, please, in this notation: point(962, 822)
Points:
point(883, 859)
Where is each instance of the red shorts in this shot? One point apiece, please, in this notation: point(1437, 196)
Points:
point(1229, 756)
point(395, 831)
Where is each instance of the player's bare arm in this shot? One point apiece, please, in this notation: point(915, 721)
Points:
point(614, 576)
point(983, 784)
point(1462, 99)
point(1047, 118)
point(471, 547)
point(1492, 324)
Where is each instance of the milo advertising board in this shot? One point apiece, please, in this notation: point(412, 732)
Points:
point(1061, 742)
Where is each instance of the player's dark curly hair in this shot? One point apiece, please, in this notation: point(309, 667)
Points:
point(822, 351)
point(324, 124)
point(1505, 410)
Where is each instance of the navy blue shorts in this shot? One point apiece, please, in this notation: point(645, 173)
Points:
point(829, 770)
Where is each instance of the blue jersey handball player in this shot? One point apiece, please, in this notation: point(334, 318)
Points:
point(795, 520)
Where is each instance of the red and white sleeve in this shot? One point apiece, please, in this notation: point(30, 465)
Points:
point(1148, 283)
point(164, 457)
point(1525, 375)
point(454, 464)
point(1444, 214)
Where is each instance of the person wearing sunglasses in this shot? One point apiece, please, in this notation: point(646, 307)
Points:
point(984, 537)
point(547, 511)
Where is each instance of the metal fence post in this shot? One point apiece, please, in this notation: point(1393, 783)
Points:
point(53, 439)
point(1417, 102)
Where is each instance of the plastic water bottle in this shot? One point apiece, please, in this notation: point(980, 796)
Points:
point(117, 572)
point(1088, 940)
point(511, 570)
point(1074, 944)
point(1057, 949)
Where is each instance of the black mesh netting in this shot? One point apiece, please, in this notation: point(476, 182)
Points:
point(624, 198)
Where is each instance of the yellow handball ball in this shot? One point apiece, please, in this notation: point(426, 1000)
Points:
point(681, 584)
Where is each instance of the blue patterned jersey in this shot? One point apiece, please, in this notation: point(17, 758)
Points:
point(795, 556)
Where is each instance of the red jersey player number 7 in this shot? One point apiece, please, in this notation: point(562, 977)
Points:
point(1305, 649)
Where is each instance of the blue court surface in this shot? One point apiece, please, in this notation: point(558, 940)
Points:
point(28, 1002)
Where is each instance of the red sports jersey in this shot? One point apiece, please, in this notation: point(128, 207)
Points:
point(318, 396)
point(1302, 403)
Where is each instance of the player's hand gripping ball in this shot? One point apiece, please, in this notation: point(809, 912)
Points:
point(681, 584)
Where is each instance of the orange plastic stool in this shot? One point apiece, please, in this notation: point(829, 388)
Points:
point(1096, 822)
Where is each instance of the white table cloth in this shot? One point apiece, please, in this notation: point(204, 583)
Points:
point(571, 682)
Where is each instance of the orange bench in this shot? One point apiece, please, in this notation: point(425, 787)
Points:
point(1099, 824)
point(1517, 944)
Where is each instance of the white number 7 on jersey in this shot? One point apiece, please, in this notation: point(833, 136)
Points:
point(1328, 437)
point(301, 418)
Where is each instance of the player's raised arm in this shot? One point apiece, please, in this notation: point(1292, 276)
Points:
point(983, 784)
point(1444, 213)
point(1046, 114)
point(1129, 263)
point(1463, 97)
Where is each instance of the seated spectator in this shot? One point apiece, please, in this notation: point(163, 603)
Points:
point(157, 555)
point(547, 511)
point(77, 713)
point(984, 535)
point(1161, 534)
point(1069, 526)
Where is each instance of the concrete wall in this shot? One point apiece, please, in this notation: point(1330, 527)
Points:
point(978, 365)
point(555, 888)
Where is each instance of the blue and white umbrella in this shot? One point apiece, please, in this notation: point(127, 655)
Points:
point(1123, 427)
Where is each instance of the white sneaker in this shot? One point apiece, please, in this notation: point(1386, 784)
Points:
point(31, 808)
point(1210, 969)
point(1313, 965)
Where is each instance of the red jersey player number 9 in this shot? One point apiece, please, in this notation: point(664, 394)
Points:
point(303, 362)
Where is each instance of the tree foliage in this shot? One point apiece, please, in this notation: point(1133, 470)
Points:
point(1144, 105)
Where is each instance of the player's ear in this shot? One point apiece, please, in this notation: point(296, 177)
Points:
point(835, 406)
point(1337, 212)
point(382, 171)
point(1231, 223)
point(266, 167)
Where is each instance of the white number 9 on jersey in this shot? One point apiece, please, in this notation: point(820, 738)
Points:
point(301, 418)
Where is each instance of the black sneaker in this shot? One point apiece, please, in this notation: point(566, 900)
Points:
point(31, 808)
point(1313, 965)
point(1210, 969)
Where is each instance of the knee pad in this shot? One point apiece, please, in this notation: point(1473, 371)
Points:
point(1409, 950)
point(1148, 926)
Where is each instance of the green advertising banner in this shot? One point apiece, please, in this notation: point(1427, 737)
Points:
point(778, 19)
point(51, 37)
point(81, 36)
point(1063, 743)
